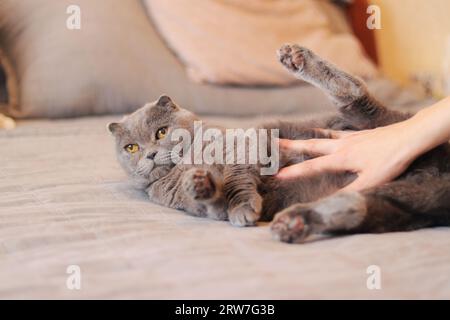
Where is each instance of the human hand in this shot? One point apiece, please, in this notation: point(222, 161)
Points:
point(377, 156)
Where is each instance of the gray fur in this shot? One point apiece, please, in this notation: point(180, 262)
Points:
point(419, 198)
point(340, 212)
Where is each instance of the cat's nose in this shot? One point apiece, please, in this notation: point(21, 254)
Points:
point(151, 155)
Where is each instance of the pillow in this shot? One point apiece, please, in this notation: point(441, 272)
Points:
point(234, 41)
point(104, 67)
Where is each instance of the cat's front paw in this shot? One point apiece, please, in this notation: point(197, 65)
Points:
point(199, 184)
point(293, 57)
point(246, 214)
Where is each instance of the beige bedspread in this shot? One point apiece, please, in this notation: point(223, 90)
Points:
point(65, 201)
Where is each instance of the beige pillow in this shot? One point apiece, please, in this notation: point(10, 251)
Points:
point(234, 41)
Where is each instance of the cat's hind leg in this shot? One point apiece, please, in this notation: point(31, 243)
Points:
point(348, 93)
point(299, 221)
point(397, 206)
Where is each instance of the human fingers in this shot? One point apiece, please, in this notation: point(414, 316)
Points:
point(313, 146)
point(311, 167)
point(335, 134)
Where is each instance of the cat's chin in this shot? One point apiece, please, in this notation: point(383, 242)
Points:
point(142, 182)
point(139, 183)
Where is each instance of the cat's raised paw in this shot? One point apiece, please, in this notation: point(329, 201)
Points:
point(199, 185)
point(293, 57)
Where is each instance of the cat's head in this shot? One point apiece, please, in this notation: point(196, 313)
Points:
point(143, 139)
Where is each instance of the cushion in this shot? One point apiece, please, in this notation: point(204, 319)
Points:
point(104, 67)
point(234, 41)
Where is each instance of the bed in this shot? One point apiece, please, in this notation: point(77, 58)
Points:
point(64, 201)
point(66, 206)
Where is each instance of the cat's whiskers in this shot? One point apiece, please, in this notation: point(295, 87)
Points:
point(170, 155)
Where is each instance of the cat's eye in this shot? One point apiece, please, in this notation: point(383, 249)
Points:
point(132, 148)
point(161, 133)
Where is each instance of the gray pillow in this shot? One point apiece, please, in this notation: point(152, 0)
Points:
point(101, 68)
point(115, 63)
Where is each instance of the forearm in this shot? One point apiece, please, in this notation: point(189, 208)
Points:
point(428, 128)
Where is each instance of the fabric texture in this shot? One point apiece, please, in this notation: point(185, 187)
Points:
point(65, 201)
point(234, 42)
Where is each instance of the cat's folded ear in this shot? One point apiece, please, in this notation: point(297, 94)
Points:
point(166, 102)
point(114, 127)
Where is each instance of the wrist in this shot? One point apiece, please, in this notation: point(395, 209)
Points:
point(412, 139)
point(427, 129)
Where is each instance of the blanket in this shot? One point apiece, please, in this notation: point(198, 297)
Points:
point(65, 202)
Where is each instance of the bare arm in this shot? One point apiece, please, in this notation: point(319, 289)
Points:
point(378, 155)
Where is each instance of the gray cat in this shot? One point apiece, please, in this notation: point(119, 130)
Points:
point(299, 207)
